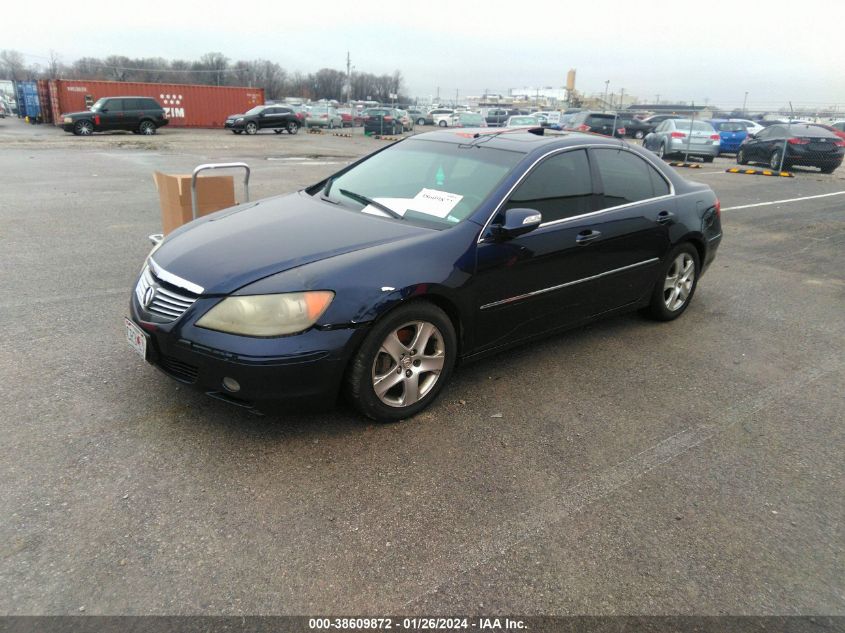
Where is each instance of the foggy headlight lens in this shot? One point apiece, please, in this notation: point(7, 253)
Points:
point(267, 315)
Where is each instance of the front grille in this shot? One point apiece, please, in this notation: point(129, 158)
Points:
point(183, 372)
point(167, 302)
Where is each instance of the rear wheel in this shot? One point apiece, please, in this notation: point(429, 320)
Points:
point(442, 123)
point(403, 362)
point(83, 128)
point(661, 150)
point(293, 127)
point(420, 121)
point(675, 284)
point(251, 128)
point(639, 134)
point(775, 161)
point(147, 128)
point(740, 157)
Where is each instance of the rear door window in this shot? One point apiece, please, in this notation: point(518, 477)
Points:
point(560, 187)
point(626, 177)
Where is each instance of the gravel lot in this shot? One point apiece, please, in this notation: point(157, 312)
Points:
point(627, 467)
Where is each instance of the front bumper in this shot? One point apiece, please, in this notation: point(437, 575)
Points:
point(231, 125)
point(303, 370)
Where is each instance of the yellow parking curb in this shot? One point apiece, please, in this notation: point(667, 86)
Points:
point(386, 138)
point(689, 165)
point(343, 135)
point(760, 172)
point(314, 130)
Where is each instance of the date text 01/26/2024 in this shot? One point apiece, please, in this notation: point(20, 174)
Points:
point(416, 624)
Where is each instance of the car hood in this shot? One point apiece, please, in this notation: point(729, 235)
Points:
point(235, 247)
point(234, 116)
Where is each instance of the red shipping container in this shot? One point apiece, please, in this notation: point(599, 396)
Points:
point(185, 105)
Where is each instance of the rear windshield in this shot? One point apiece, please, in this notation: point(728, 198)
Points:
point(730, 126)
point(697, 126)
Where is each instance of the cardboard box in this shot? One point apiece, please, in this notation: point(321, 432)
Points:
point(174, 194)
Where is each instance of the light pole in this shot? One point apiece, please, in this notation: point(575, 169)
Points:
point(606, 85)
point(744, 102)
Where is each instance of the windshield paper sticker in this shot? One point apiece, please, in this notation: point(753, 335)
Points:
point(434, 202)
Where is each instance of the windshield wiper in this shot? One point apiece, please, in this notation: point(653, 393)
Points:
point(369, 201)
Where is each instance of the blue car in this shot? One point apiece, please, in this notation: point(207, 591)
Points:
point(731, 134)
point(444, 247)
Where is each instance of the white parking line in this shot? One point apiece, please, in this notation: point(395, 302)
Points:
point(765, 204)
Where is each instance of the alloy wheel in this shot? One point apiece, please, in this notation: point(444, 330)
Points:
point(84, 128)
point(408, 363)
point(148, 128)
point(679, 281)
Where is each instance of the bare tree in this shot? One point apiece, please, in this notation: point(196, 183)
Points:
point(12, 65)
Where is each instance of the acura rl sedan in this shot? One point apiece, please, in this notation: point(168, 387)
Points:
point(441, 248)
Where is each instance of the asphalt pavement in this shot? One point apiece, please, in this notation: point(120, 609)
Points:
point(628, 467)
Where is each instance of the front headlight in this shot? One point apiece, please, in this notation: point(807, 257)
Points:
point(239, 120)
point(67, 119)
point(267, 315)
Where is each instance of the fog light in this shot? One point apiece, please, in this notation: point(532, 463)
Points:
point(230, 384)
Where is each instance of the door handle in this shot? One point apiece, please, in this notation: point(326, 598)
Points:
point(585, 237)
point(665, 217)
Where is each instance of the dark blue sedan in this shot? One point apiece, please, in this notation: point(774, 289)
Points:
point(444, 247)
point(731, 134)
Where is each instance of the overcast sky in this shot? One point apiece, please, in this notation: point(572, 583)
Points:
point(680, 50)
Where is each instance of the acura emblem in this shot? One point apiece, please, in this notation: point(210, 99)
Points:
point(149, 295)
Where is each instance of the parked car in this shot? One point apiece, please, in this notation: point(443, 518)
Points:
point(377, 280)
point(731, 134)
point(141, 115)
point(752, 127)
point(324, 116)
point(605, 123)
point(467, 119)
point(382, 121)
point(797, 144)
point(264, 117)
point(634, 127)
point(656, 119)
point(406, 120)
point(522, 120)
point(840, 133)
point(839, 125)
point(350, 117)
point(549, 118)
point(498, 116)
point(419, 116)
point(440, 116)
point(684, 137)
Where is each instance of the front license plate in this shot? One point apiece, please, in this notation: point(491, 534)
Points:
point(136, 337)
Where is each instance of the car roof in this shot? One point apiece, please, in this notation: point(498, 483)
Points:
point(521, 140)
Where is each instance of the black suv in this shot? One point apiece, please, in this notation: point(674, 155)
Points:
point(140, 115)
point(263, 117)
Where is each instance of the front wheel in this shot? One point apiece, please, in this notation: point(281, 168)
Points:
point(403, 363)
point(420, 121)
point(639, 134)
point(442, 124)
point(251, 128)
point(147, 128)
point(83, 128)
point(676, 283)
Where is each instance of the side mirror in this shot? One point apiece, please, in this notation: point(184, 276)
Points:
point(518, 222)
point(752, 135)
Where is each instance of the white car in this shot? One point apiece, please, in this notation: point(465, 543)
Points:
point(441, 116)
point(522, 121)
point(752, 126)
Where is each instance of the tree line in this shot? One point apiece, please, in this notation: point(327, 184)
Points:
point(213, 69)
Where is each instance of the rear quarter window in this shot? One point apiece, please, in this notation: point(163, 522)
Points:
point(626, 177)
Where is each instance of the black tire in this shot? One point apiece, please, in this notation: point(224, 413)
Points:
point(740, 157)
point(293, 127)
point(277, 131)
point(657, 307)
point(331, 125)
point(707, 159)
point(83, 128)
point(147, 128)
point(774, 161)
point(251, 128)
point(639, 134)
point(360, 387)
point(420, 121)
point(442, 123)
point(661, 151)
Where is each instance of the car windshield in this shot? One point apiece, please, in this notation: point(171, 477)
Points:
point(431, 183)
point(98, 105)
point(255, 110)
point(730, 126)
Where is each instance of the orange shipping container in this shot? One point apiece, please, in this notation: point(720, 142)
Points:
point(185, 105)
